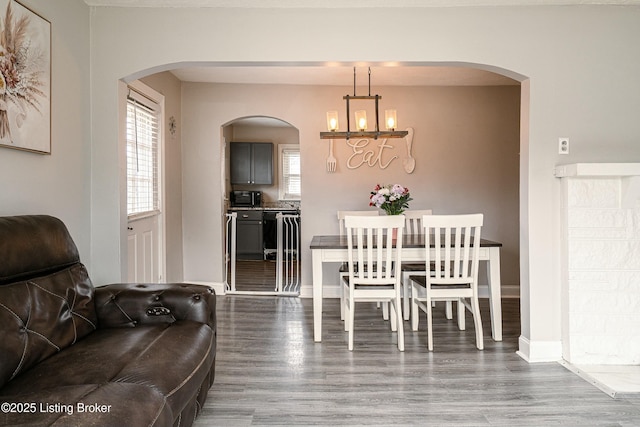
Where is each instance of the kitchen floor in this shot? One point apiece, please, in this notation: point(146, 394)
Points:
point(255, 276)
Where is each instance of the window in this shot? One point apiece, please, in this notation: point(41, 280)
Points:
point(142, 155)
point(289, 172)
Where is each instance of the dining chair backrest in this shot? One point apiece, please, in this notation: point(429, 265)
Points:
point(343, 214)
point(461, 233)
point(413, 220)
point(374, 249)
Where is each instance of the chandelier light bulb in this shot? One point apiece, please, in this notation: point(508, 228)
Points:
point(332, 121)
point(391, 119)
point(361, 120)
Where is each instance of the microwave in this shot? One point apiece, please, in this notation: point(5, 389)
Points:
point(246, 199)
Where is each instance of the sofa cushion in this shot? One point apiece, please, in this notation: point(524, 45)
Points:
point(42, 316)
point(112, 362)
point(110, 404)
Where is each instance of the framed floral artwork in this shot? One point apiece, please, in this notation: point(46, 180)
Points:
point(25, 78)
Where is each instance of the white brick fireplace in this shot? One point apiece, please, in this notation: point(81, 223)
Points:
point(601, 263)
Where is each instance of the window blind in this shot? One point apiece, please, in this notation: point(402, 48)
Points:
point(142, 155)
point(291, 173)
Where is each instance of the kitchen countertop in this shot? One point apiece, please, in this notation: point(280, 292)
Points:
point(265, 208)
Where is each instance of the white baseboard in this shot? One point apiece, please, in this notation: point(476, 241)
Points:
point(217, 286)
point(508, 291)
point(539, 351)
point(327, 291)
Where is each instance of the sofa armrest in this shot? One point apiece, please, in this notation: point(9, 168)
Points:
point(131, 304)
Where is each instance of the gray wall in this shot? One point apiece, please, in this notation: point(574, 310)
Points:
point(58, 184)
point(169, 86)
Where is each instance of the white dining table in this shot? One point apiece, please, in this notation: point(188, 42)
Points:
point(333, 249)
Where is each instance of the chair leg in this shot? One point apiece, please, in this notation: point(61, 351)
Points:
point(351, 320)
point(391, 315)
point(400, 322)
point(449, 310)
point(345, 306)
point(406, 295)
point(429, 325)
point(477, 321)
point(385, 310)
point(415, 314)
point(407, 302)
point(461, 314)
point(342, 298)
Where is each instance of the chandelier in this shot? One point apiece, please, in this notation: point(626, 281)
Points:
point(390, 119)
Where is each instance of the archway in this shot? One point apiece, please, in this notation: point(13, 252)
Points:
point(416, 67)
point(262, 243)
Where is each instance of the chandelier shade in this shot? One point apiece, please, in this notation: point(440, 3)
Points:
point(332, 121)
point(391, 119)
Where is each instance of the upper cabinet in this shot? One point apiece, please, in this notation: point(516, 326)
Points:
point(252, 163)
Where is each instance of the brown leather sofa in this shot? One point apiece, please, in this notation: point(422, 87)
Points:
point(75, 355)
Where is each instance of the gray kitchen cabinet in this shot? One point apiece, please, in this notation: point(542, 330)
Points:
point(249, 235)
point(251, 163)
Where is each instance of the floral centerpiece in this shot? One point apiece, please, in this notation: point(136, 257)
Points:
point(394, 199)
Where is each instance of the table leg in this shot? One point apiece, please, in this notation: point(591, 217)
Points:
point(316, 261)
point(495, 293)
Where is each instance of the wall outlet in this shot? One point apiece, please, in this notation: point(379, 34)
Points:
point(563, 145)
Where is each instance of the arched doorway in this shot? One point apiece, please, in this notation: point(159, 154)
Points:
point(195, 263)
point(261, 164)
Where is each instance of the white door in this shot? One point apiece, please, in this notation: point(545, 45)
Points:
point(145, 237)
point(144, 250)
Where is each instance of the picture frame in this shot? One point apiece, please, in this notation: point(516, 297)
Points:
point(25, 79)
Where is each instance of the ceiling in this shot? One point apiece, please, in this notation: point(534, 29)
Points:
point(347, 3)
point(334, 75)
point(339, 75)
point(342, 75)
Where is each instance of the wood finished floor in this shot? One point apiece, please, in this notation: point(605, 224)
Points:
point(258, 276)
point(270, 372)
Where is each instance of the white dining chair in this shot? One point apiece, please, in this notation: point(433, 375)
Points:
point(344, 268)
point(413, 221)
point(413, 227)
point(343, 214)
point(452, 272)
point(374, 275)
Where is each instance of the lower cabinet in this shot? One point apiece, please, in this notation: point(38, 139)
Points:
point(249, 235)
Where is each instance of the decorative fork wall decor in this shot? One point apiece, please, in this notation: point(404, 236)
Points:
point(381, 155)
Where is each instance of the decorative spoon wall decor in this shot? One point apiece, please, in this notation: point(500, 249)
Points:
point(409, 163)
